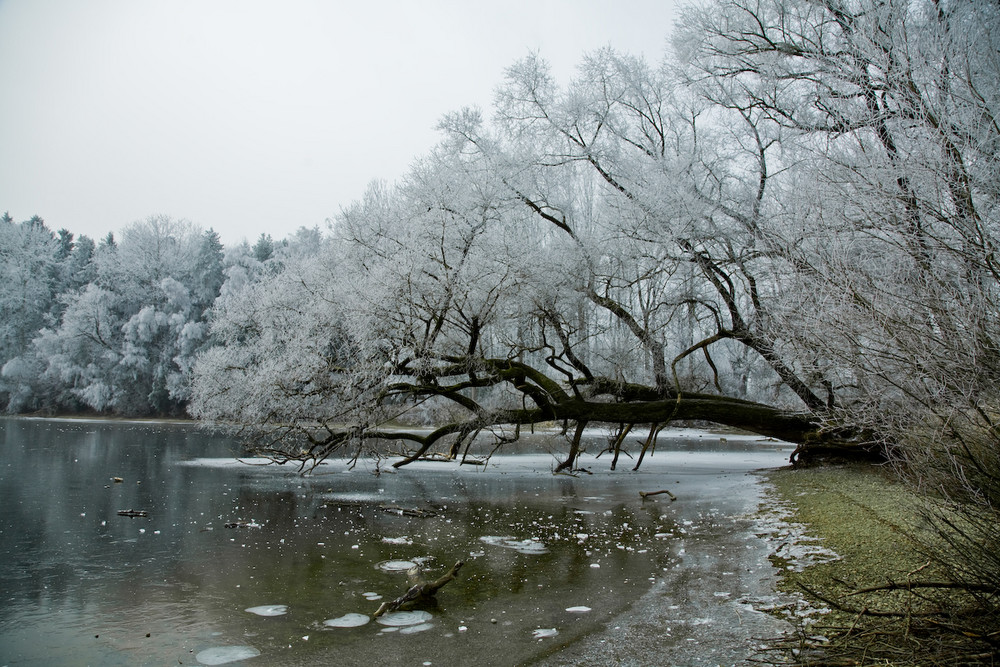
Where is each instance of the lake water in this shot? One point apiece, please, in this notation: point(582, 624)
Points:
point(551, 561)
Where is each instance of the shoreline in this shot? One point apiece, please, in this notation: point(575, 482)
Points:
point(803, 527)
point(870, 528)
point(720, 612)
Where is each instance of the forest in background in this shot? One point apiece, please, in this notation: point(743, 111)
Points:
point(789, 225)
point(114, 327)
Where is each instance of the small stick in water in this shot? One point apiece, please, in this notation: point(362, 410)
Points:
point(645, 494)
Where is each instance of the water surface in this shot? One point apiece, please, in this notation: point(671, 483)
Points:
point(549, 559)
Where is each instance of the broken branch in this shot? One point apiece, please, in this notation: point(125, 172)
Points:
point(420, 591)
point(646, 494)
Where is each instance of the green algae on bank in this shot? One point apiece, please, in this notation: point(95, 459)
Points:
point(861, 513)
point(859, 608)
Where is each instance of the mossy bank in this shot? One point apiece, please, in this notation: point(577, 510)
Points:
point(868, 604)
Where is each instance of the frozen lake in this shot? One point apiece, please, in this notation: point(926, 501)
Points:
point(558, 569)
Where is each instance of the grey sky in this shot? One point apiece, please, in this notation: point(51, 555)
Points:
point(250, 116)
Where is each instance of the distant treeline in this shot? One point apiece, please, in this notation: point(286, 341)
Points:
point(114, 326)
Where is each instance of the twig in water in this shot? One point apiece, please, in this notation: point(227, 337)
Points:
point(646, 494)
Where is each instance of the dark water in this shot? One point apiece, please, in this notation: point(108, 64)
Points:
point(80, 584)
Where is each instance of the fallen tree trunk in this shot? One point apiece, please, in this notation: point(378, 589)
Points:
point(594, 402)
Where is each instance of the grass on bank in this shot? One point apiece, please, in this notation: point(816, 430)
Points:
point(881, 611)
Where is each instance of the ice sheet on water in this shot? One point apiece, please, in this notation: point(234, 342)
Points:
point(413, 629)
point(347, 621)
point(269, 610)
point(793, 543)
point(353, 497)
point(396, 565)
point(221, 655)
point(204, 462)
point(529, 546)
point(404, 618)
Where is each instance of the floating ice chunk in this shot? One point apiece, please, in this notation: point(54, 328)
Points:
point(528, 546)
point(413, 629)
point(347, 621)
point(544, 632)
point(370, 596)
point(269, 610)
point(403, 618)
point(397, 540)
point(396, 565)
point(578, 610)
point(220, 655)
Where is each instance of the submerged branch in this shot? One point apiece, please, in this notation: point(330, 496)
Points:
point(421, 591)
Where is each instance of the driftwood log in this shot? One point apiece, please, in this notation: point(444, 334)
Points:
point(420, 590)
point(133, 513)
point(646, 494)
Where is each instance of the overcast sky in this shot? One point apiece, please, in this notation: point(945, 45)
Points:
point(250, 116)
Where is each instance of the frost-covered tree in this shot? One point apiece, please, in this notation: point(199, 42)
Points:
point(29, 253)
point(510, 279)
point(29, 257)
point(683, 241)
point(890, 110)
point(274, 339)
point(128, 324)
point(208, 273)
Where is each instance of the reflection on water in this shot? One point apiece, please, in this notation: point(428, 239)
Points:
point(81, 584)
